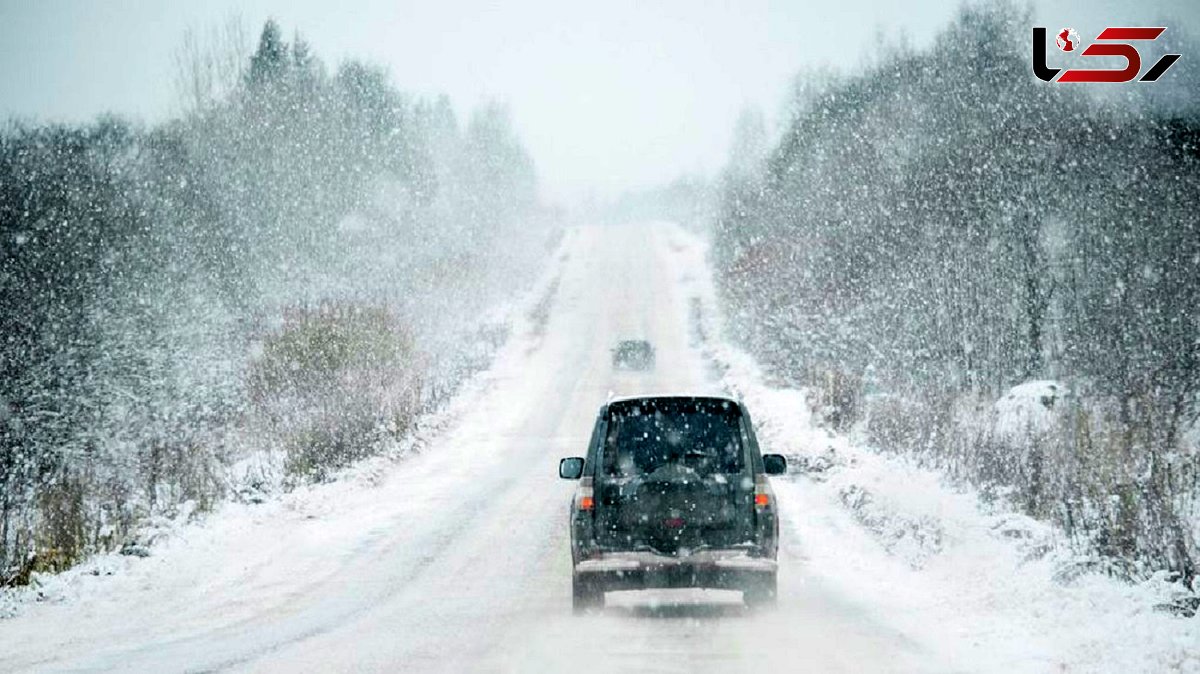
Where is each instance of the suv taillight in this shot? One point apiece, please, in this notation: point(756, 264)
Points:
point(585, 499)
point(762, 492)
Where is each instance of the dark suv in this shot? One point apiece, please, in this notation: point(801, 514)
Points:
point(673, 493)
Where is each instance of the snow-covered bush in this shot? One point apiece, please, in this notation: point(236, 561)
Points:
point(333, 382)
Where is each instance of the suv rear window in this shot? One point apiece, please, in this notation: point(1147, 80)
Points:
point(644, 435)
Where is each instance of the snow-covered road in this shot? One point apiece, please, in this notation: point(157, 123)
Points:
point(456, 559)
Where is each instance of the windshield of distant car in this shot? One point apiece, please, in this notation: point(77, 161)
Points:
point(643, 436)
point(630, 348)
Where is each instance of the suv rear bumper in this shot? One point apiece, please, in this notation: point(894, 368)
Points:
point(717, 569)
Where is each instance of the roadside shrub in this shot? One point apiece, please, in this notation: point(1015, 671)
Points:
point(895, 423)
point(333, 382)
point(838, 398)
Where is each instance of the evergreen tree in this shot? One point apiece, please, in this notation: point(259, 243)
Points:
point(270, 62)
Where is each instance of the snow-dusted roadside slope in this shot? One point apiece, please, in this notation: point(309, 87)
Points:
point(980, 586)
point(170, 538)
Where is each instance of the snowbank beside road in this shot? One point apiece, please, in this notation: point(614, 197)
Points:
point(983, 587)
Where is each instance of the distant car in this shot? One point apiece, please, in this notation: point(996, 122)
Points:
point(633, 354)
point(673, 492)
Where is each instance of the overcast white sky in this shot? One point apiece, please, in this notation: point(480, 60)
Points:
point(606, 95)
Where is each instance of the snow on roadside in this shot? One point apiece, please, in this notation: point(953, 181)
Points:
point(979, 587)
point(171, 537)
point(1028, 409)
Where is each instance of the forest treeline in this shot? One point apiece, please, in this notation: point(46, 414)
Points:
point(940, 233)
point(252, 294)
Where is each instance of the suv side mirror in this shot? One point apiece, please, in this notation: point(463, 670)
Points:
point(571, 468)
point(774, 464)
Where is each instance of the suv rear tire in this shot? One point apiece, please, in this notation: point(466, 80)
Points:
point(585, 595)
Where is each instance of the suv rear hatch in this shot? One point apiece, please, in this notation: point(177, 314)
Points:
point(674, 476)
